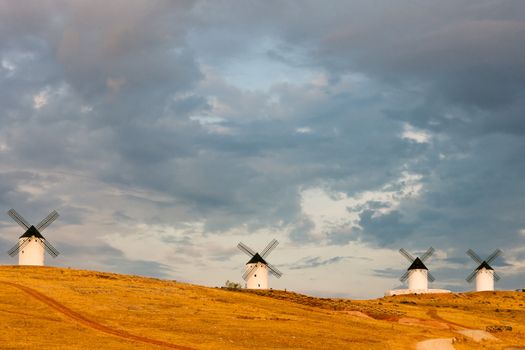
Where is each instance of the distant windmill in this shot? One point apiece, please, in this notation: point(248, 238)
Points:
point(417, 273)
point(31, 244)
point(484, 273)
point(256, 273)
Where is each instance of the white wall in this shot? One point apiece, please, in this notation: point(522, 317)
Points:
point(32, 253)
point(418, 279)
point(484, 280)
point(258, 279)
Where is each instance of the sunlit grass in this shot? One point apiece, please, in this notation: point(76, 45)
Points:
point(212, 318)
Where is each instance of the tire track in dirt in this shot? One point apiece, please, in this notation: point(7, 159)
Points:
point(55, 305)
point(433, 314)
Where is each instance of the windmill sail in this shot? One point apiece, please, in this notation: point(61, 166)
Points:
point(274, 270)
point(47, 221)
point(407, 255)
point(269, 248)
point(245, 249)
point(49, 248)
point(19, 245)
point(19, 219)
point(257, 261)
point(31, 238)
point(248, 272)
point(483, 264)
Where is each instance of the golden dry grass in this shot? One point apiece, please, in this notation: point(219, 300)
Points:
point(106, 309)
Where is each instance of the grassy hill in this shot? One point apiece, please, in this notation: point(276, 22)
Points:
point(53, 308)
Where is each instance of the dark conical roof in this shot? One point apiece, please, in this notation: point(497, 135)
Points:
point(484, 265)
point(257, 259)
point(32, 231)
point(417, 265)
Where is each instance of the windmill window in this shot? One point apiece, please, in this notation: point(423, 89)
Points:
point(255, 275)
point(258, 285)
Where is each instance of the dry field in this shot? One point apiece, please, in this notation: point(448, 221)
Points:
point(52, 308)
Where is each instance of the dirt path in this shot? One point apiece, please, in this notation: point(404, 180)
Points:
point(477, 335)
point(55, 305)
point(435, 344)
point(433, 314)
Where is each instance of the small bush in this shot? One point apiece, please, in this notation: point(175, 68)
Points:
point(232, 285)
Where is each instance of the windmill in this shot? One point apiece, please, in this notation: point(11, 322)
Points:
point(417, 273)
point(484, 273)
point(256, 273)
point(31, 244)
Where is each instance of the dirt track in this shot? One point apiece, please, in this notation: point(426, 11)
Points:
point(433, 314)
point(55, 305)
point(435, 344)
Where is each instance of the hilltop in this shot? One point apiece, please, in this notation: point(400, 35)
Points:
point(55, 308)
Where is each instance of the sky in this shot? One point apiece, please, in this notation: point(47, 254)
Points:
point(165, 132)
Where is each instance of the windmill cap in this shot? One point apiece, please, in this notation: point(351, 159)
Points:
point(417, 264)
point(484, 265)
point(257, 259)
point(32, 231)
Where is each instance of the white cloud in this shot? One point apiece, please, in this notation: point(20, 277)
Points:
point(213, 125)
point(8, 66)
point(329, 210)
point(40, 100)
point(416, 135)
point(304, 130)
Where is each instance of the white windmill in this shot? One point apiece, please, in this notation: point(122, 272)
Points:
point(484, 273)
point(417, 273)
point(31, 244)
point(256, 273)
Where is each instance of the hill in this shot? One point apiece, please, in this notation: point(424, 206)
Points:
point(53, 308)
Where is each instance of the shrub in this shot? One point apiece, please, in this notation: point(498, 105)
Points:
point(232, 285)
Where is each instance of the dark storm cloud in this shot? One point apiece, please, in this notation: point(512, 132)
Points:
point(131, 95)
point(150, 142)
point(385, 229)
point(451, 53)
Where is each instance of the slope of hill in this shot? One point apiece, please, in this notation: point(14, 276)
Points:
point(52, 308)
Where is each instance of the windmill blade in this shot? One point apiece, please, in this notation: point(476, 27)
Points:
point(16, 248)
point(427, 254)
point(19, 219)
point(244, 248)
point(248, 272)
point(404, 277)
point(49, 248)
point(474, 256)
point(407, 255)
point(471, 276)
point(269, 248)
point(493, 256)
point(47, 221)
point(430, 277)
point(274, 270)
point(496, 276)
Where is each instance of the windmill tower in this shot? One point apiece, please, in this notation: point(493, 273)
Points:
point(484, 273)
point(257, 268)
point(417, 273)
point(31, 244)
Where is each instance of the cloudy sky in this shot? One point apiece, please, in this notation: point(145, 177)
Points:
point(165, 132)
